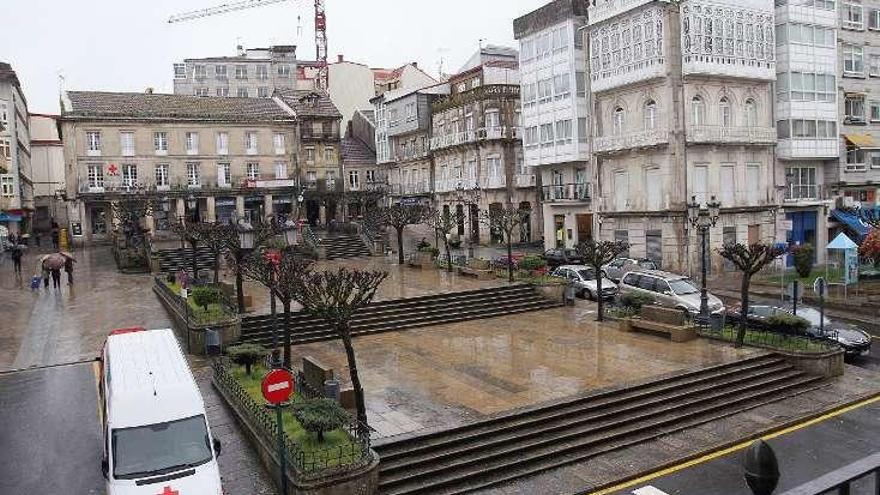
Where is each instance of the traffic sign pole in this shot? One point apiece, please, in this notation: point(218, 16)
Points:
point(281, 457)
point(277, 386)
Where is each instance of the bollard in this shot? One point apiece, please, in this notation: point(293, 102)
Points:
point(212, 342)
point(761, 470)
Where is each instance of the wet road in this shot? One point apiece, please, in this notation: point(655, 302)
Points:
point(51, 435)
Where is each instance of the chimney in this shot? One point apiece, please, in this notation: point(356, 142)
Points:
point(148, 91)
point(415, 64)
point(240, 50)
point(340, 58)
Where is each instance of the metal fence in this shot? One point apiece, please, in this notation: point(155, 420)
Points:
point(852, 478)
point(311, 464)
point(759, 337)
point(225, 310)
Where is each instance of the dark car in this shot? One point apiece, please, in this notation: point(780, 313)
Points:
point(854, 341)
point(562, 256)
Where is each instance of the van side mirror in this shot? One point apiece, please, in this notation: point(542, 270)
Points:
point(217, 447)
point(105, 468)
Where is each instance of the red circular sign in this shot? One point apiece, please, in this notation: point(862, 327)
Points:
point(277, 386)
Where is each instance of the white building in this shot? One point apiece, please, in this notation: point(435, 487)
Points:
point(16, 182)
point(47, 159)
point(555, 118)
point(251, 73)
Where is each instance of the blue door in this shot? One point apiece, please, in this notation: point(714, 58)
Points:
point(803, 231)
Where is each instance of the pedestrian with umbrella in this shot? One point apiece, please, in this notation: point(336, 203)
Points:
point(54, 263)
point(68, 265)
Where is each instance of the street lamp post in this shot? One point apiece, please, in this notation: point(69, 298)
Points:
point(245, 242)
point(466, 197)
point(703, 219)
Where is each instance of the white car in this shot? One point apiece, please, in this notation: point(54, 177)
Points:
point(584, 279)
point(156, 434)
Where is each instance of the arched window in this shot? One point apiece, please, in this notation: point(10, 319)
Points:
point(617, 123)
point(650, 115)
point(751, 113)
point(698, 111)
point(725, 112)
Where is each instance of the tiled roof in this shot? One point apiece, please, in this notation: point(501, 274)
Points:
point(154, 106)
point(309, 103)
point(370, 115)
point(356, 152)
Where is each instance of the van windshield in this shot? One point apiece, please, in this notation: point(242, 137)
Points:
point(160, 448)
point(683, 286)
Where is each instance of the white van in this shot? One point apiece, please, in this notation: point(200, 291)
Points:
point(156, 435)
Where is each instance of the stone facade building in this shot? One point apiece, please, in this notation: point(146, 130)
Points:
point(359, 162)
point(205, 159)
point(16, 175)
point(252, 73)
point(47, 159)
point(682, 109)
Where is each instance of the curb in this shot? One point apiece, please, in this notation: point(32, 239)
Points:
point(726, 445)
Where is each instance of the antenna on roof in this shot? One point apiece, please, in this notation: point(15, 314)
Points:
point(299, 27)
point(480, 41)
point(153, 382)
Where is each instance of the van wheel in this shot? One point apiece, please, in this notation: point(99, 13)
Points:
point(686, 316)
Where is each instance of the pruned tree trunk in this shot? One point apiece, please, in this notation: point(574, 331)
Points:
point(239, 290)
point(195, 263)
point(448, 254)
point(400, 245)
point(509, 259)
point(744, 309)
point(216, 267)
point(287, 343)
point(600, 301)
point(360, 406)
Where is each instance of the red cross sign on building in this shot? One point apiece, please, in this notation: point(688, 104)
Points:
point(277, 386)
point(169, 491)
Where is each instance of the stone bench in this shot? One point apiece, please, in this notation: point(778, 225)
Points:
point(316, 374)
point(478, 268)
point(658, 319)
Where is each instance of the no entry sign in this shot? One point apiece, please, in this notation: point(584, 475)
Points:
point(277, 386)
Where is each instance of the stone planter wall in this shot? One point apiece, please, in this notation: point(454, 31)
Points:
point(551, 292)
point(192, 337)
point(826, 364)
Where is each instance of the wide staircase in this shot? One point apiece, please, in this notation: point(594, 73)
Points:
point(339, 246)
point(174, 260)
point(527, 442)
point(400, 314)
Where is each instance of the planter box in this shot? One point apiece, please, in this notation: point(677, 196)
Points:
point(422, 260)
point(551, 292)
point(827, 364)
point(193, 337)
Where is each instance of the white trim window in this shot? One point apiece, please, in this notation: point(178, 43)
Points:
point(224, 176)
point(728, 183)
point(192, 143)
point(563, 131)
point(853, 60)
point(220, 72)
point(329, 155)
point(874, 64)
point(700, 186)
point(753, 183)
point(241, 72)
point(193, 175)
point(725, 112)
point(874, 20)
point(751, 113)
point(160, 143)
point(284, 71)
point(5, 150)
point(854, 108)
point(617, 121)
point(354, 182)
point(93, 143)
point(875, 110)
point(621, 190)
point(7, 185)
point(278, 141)
point(545, 90)
point(126, 143)
point(222, 143)
point(200, 71)
point(546, 134)
point(95, 176)
point(330, 177)
point(179, 71)
point(312, 177)
point(242, 93)
point(493, 118)
point(654, 188)
point(4, 112)
point(253, 171)
point(852, 16)
point(561, 86)
point(698, 111)
point(262, 72)
point(371, 176)
point(650, 115)
point(161, 175)
point(250, 142)
point(280, 170)
point(855, 159)
point(310, 154)
point(222, 91)
point(262, 92)
point(129, 175)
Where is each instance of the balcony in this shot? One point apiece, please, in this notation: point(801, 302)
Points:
point(789, 149)
point(607, 9)
point(447, 185)
point(481, 134)
point(525, 180)
point(609, 144)
point(571, 192)
point(330, 136)
point(731, 135)
point(796, 193)
point(494, 182)
point(409, 189)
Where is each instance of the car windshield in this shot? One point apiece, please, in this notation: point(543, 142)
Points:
point(761, 310)
point(160, 448)
point(587, 274)
point(647, 265)
point(682, 287)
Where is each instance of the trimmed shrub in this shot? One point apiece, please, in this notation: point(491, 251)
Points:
point(205, 296)
point(246, 355)
point(635, 300)
point(320, 415)
point(532, 263)
point(786, 323)
point(803, 260)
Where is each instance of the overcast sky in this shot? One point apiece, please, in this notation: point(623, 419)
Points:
point(127, 45)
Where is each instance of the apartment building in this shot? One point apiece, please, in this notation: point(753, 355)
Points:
point(16, 175)
point(552, 65)
point(476, 145)
point(683, 108)
point(206, 159)
point(806, 116)
point(251, 73)
point(47, 160)
point(359, 168)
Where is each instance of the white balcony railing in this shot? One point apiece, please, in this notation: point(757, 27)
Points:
point(578, 191)
point(481, 134)
point(728, 134)
point(525, 180)
point(803, 192)
point(494, 182)
point(653, 137)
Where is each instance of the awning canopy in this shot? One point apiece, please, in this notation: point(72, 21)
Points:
point(864, 141)
point(9, 217)
point(852, 221)
point(842, 242)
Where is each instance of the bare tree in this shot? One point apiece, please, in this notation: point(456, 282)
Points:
point(749, 260)
point(236, 253)
point(443, 223)
point(129, 213)
point(213, 236)
point(335, 297)
point(598, 254)
point(506, 221)
point(281, 272)
point(399, 217)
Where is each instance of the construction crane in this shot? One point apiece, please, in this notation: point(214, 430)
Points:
point(321, 81)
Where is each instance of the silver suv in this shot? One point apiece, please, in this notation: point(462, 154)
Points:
point(618, 267)
point(668, 290)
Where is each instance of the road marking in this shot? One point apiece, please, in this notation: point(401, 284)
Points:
point(721, 453)
point(649, 490)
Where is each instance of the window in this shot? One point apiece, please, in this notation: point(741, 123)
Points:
point(801, 183)
point(220, 72)
point(262, 72)
point(278, 141)
point(728, 184)
point(329, 154)
point(331, 179)
point(700, 186)
point(582, 129)
point(222, 143)
point(560, 38)
point(242, 93)
point(854, 108)
point(200, 71)
point(160, 143)
point(855, 158)
point(280, 170)
point(96, 176)
point(409, 111)
point(193, 177)
point(222, 91)
point(192, 143)
point(650, 115)
point(561, 85)
point(179, 71)
point(253, 171)
point(263, 92)
point(805, 34)
point(698, 111)
point(547, 134)
point(129, 175)
point(531, 137)
point(224, 178)
point(126, 143)
point(875, 159)
point(200, 91)
point(545, 90)
point(493, 166)
point(617, 121)
point(874, 64)
point(527, 50)
point(853, 60)
point(4, 113)
point(310, 154)
point(621, 190)
point(851, 16)
point(801, 128)
point(563, 131)
point(250, 142)
point(284, 71)
point(753, 183)
point(725, 112)
point(161, 175)
point(311, 176)
point(875, 111)
point(580, 81)
point(798, 86)
point(93, 143)
point(5, 151)
point(371, 176)
point(7, 186)
point(654, 187)
point(751, 113)
point(493, 119)
point(542, 45)
point(241, 72)
point(353, 180)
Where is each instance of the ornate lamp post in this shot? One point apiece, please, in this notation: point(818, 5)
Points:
point(467, 197)
point(191, 203)
point(703, 219)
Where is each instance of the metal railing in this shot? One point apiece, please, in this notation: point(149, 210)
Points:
point(311, 240)
point(305, 464)
point(801, 192)
point(841, 480)
point(578, 191)
point(730, 134)
point(770, 339)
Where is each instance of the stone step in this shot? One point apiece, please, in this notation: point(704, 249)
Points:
point(522, 457)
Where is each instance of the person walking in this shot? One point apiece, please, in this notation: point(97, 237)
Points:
point(45, 274)
point(16, 260)
point(68, 267)
point(54, 236)
point(56, 278)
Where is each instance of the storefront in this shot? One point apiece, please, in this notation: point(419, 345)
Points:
point(224, 210)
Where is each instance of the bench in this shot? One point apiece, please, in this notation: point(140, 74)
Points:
point(658, 319)
point(477, 268)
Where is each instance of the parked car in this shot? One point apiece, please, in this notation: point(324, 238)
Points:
point(668, 290)
point(562, 256)
point(584, 280)
point(854, 341)
point(618, 267)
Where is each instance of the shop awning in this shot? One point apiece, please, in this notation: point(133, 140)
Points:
point(864, 141)
point(852, 221)
point(9, 217)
